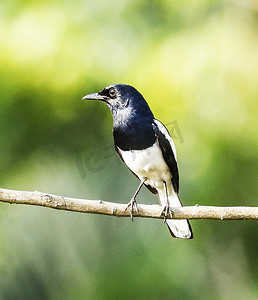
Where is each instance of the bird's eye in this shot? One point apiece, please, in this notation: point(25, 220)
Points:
point(112, 92)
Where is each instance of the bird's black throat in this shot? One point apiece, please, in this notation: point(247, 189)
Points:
point(134, 135)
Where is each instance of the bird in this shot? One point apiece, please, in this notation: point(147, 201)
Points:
point(145, 146)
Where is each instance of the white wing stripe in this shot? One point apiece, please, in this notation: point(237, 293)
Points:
point(163, 130)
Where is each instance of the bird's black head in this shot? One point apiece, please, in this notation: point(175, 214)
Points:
point(122, 99)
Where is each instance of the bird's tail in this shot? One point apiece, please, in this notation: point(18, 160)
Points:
point(177, 228)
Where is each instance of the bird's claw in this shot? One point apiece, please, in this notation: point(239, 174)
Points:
point(166, 211)
point(133, 204)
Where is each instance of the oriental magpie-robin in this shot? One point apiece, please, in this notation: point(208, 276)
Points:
point(146, 147)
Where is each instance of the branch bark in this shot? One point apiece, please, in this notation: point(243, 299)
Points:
point(118, 210)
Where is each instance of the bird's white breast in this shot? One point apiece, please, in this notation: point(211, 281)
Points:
point(148, 164)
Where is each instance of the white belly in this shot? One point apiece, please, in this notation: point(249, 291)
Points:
point(148, 164)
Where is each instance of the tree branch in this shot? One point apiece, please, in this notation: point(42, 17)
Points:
point(118, 210)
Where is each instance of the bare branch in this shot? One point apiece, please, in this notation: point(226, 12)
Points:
point(118, 210)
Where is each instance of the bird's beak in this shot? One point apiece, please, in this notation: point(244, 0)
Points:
point(95, 96)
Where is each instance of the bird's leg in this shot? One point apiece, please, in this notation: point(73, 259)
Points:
point(132, 202)
point(166, 209)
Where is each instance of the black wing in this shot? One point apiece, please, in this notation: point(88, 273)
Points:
point(152, 189)
point(165, 141)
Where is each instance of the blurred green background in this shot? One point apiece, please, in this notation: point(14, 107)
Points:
point(196, 62)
